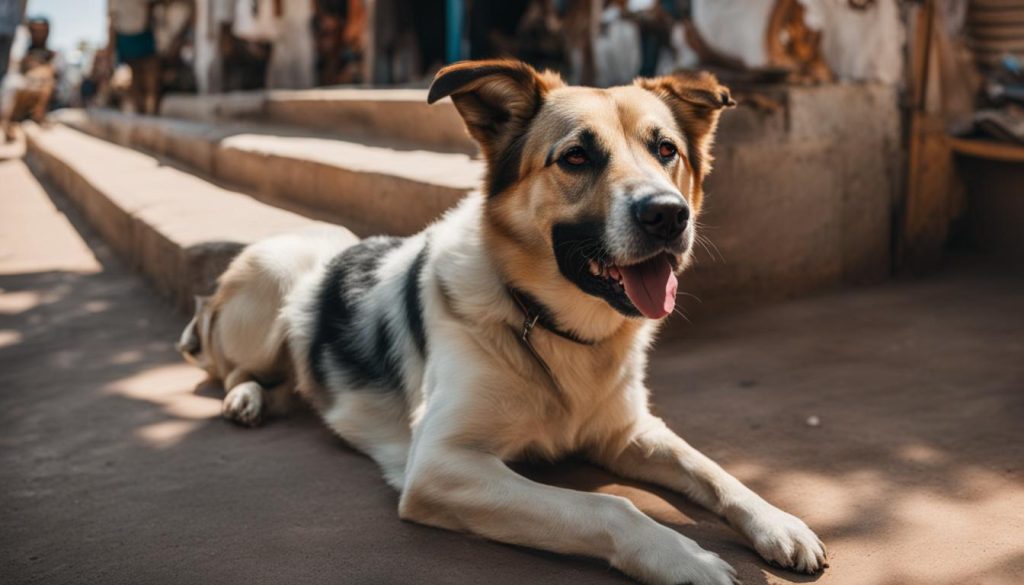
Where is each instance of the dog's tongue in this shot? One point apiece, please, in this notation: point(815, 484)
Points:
point(651, 285)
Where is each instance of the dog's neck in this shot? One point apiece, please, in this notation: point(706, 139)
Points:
point(537, 315)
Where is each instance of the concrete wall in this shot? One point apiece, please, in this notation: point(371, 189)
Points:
point(800, 199)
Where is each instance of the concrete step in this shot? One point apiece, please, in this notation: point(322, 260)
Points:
point(370, 189)
point(397, 117)
point(178, 229)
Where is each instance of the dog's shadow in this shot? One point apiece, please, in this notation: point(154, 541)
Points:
point(209, 388)
point(668, 508)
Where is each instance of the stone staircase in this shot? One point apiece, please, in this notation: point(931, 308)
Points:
point(800, 199)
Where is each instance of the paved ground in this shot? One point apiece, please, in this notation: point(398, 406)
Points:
point(114, 467)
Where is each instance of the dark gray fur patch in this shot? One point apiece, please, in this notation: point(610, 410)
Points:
point(413, 296)
point(366, 357)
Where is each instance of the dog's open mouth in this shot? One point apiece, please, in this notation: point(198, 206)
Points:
point(650, 285)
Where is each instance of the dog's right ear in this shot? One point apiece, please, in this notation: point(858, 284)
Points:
point(496, 98)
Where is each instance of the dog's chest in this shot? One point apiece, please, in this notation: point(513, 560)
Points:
point(575, 398)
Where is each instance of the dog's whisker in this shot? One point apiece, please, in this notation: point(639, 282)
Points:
point(679, 311)
point(691, 295)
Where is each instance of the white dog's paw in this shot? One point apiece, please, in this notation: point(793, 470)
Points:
point(673, 559)
point(784, 540)
point(244, 404)
point(704, 568)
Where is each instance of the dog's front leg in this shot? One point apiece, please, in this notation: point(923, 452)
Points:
point(652, 452)
point(465, 490)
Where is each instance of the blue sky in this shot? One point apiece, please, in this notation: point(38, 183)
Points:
point(72, 20)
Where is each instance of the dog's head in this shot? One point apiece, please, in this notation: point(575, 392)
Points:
point(590, 190)
point(194, 340)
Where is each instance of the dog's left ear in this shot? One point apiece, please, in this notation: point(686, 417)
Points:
point(497, 99)
point(696, 101)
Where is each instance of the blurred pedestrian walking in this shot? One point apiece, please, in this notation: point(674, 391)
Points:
point(131, 36)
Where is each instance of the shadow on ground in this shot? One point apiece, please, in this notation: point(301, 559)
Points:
point(116, 468)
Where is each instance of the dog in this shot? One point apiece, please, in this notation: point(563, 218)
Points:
point(237, 335)
point(517, 326)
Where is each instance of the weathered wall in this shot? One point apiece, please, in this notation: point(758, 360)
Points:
point(800, 199)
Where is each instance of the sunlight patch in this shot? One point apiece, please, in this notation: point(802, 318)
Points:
point(166, 434)
point(9, 337)
point(171, 387)
point(12, 303)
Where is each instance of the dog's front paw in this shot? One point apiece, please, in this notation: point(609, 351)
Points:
point(704, 567)
point(784, 540)
point(673, 559)
point(244, 404)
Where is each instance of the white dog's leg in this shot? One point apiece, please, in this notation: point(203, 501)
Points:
point(471, 491)
point(243, 404)
point(375, 423)
point(656, 454)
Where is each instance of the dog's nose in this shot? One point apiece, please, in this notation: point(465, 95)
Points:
point(663, 215)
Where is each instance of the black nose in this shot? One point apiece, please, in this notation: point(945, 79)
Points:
point(663, 215)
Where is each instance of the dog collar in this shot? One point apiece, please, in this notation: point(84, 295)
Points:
point(534, 313)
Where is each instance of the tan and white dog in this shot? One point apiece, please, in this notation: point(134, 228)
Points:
point(518, 325)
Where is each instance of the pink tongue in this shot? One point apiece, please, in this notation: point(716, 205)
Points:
point(651, 286)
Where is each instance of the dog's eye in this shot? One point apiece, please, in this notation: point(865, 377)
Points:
point(667, 151)
point(576, 156)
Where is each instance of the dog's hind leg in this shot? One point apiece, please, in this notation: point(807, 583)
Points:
point(245, 401)
point(375, 423)
point(248, 401)
point(243, 404)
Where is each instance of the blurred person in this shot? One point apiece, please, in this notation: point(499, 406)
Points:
point(617, 51)
point(577, 33)
point(492, 28)
point(11, 14)
point(247, 43)
point(28, 96)
point(213, 19)
point(431, 28)
point(395, 43)
point(656, 20)
point(409, 37)
point(538, 36)
point(528, 30)
point(293, 57)
point(96, 88)
point(132, 38)
point(172, 29)
point(340, 36)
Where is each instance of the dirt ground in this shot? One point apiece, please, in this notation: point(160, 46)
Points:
point(115, 468)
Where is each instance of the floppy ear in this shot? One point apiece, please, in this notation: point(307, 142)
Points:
point(497, 99)
point(696, 101)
